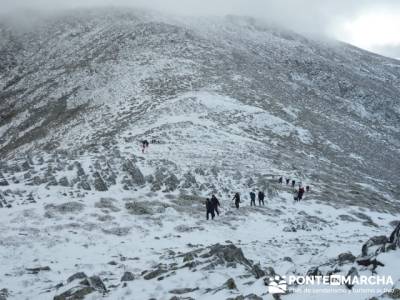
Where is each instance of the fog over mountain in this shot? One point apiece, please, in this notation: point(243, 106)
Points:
point(315, 17)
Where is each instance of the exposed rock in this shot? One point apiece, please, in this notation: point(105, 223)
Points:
point(4, 294)
point(153, 274)
point(171, 183)
point(229, 253)
point(134, 171)
point(3, 181)
point(79, 275)
point(189, 181)
point(183, 291)
point(230, 284)
point(37, 270)
point(119, 231)
point(257, 271)
point(75, 293)
point(314, 271)
point(96, 283)
point(372, 243)
point(64, 181)
point(128, 276)
point(65, 208)
point(138, 208)
point(346, 257)
point(99, 183)
point(107, 203)
point(352, 274)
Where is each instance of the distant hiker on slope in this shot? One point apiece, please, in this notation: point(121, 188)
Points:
point(293, 183)
point(280, 180)
point(145, 144)
point(215, 203)
point(236, 198)
point(261, 197)
point(209, 209)
point(252, 198)
point(300, 194)
point(307, 188)
point(287, 181)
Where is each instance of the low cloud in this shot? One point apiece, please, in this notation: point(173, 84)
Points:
point(305, 16)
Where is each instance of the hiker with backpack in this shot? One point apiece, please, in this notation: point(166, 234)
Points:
point(236, 198)
point(261, 197)
point(252, 198)
point(215, 204)
point(209, 209)
point(300, 193)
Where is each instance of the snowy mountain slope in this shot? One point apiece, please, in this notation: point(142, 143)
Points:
point(232, 104)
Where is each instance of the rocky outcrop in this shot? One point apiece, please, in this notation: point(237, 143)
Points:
point(134, 172)
point(99, 183)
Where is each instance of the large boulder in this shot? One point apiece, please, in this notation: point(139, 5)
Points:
point(134, 172)
point(374, 245)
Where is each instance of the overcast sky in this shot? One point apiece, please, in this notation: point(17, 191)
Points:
point(370, 24)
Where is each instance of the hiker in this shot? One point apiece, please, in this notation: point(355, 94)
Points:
point(287, 181)
point(209, 209)
point(261, 197)
point(237, 200)
point(252, 198)
point(145, 144)
point(215, 203)
point(300, 194)
point(280, 180)
point(307, 188)
point(293, 183)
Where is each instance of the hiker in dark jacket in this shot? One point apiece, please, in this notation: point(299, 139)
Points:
point(300, 194)
point(209, 209)
point(307, 188)
point(236, 198)
point(252, 199)
point(287, 181)
point(215, 203)
point(261, 197)
point(293, 183)
point(280, 180)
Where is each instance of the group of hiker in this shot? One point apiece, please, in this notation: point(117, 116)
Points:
point(212, 204)
point(299, 193)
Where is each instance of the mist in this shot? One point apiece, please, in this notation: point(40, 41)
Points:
point(316, 17)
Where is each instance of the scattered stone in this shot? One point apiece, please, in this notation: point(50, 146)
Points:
point(153, 274)
point(107, 203)
point(64, 181)
point(75, 293)
point(99, 183)
point(134, 171)
point(65, 208)
point(346, 257)
point(96, 283)
point(79, 275)
point(4, 294)
point(353, 273)
point(183, 291)
point(138, 208)
point(128, 276)
point(37, 270)
point(373, 242)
